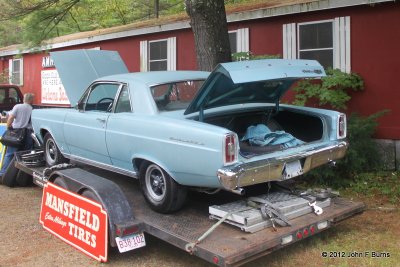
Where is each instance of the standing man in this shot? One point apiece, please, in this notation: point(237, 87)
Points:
point(19, 117)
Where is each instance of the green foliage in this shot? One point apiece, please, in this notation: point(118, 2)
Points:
point(37, 20)
point(4, 76)
point(332, 90)
point(240, 56)
point(361, 155)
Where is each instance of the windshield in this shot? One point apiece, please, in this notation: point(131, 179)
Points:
point(175, 95)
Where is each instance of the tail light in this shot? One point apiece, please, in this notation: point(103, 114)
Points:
point(230, 149)
point(341, 126)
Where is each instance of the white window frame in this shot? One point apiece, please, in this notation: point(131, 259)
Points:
point(341, 41)
point(11, 73)
point(333, 48)
point(145, 54)
point(157, 60)
point(242, 40)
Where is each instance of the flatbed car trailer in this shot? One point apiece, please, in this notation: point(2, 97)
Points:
point(225, 246)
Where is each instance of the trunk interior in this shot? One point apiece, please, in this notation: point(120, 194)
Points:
point(304, 127)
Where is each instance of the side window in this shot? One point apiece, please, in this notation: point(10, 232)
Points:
point(13, 95)
point(123, 103)
point(101, 97)
point(2, 94)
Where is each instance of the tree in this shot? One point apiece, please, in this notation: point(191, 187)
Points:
point(38, 20)
point(43, 19)
point(210, 29)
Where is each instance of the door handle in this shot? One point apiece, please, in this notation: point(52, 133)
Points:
point(101, 120)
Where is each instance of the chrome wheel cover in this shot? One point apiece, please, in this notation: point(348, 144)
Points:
point(155, 182)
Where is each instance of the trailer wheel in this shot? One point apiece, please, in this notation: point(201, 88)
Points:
point(10, 176)
point(161, 192)
point(24, 179)
point(52, 154)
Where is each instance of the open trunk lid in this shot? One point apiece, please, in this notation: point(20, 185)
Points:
point(257, 81)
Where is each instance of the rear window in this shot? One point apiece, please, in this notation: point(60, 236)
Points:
point(176, 95)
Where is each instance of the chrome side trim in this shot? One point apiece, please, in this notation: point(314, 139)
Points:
point(245, 174)
point(133, 174)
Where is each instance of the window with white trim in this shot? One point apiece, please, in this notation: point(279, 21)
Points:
point(315, 41)
point(239, 40)
point(158, 54)
point(16, 71)
point(326, 41)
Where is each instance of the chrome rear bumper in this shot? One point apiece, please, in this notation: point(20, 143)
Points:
point(272, 169)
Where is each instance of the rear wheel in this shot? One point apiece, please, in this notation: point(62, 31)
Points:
point(52, 154)
point(161, 192)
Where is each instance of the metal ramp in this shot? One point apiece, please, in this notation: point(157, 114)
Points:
point(250, 219)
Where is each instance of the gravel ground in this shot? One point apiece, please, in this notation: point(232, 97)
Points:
point(25, 243)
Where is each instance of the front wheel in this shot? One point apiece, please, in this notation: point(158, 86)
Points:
point(52, 154)
point(161, 192)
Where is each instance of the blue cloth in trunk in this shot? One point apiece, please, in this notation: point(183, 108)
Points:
point(261, 135)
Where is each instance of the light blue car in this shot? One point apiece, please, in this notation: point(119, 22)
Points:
point(180, 130)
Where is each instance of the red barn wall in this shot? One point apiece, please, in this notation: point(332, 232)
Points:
point(375, 38)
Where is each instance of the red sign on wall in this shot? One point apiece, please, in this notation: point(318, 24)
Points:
point(77, 220)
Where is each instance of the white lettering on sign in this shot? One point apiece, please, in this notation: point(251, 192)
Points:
point(77, 220)
point(47, 62)
point(77, 214)
point(53, 91)
point(73, 212)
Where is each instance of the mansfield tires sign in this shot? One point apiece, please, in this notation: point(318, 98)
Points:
point(77, 220)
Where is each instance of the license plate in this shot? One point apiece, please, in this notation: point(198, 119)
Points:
point(293, 169)
point(131, 242)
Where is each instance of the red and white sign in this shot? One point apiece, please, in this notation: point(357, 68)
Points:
point(79, 221)
point(53, 91)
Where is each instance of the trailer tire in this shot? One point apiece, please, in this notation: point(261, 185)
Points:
point(160, 191)
point(24, 179)
point(10, 176)
point(52, 154)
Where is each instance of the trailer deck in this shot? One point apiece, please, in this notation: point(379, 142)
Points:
point(226, 245)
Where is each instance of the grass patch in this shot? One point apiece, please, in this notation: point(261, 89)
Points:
point(382, 186)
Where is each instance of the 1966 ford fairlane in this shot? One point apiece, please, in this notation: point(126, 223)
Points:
point(188, 129)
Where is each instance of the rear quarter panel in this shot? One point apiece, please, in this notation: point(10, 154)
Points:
point(191, 152)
